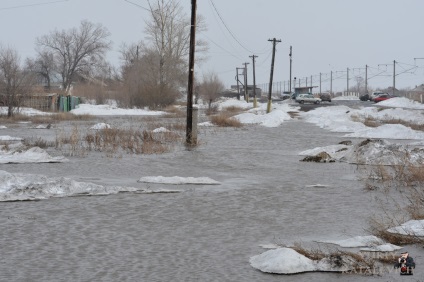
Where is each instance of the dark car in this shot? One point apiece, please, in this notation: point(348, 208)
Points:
point(325, 97)
point(364, 97)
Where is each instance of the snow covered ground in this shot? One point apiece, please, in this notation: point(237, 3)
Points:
point(347, 121)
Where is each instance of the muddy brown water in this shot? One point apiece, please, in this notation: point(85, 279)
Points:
point(203, 233)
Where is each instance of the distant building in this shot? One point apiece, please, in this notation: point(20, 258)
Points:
point(417, 93)
point(418, 89)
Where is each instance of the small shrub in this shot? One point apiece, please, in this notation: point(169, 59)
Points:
point(379, 229)
point(233, 110)
point(371, 122)
point(314, 254)
point(212, 110)
point(225, 121)
point(38, 143)
point(175, 112)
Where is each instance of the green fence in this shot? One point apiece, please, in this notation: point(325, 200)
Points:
point(68, 103)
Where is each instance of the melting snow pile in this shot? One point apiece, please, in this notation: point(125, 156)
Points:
point(24, 187)
point(18, 153)
point(373, 152)
point(411, 228)
point(176, 180)
point(9, 138)
point(100, 126)
point(288, 261)
point(370, 243)
point(160, 130)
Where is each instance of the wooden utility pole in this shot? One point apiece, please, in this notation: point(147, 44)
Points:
point(366, 79)
point(347, 81)
point(331, 83)
point(238, 85)
point(238, 82)
point(246, 93)
point(255, 103)
point(191, 135)
point(290, 55)
point(394, 77)
point(274, 42)
point(320, 83)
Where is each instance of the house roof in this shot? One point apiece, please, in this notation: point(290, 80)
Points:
point(419, 88)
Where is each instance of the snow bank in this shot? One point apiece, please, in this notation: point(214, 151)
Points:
point(25, 111)
point(111, 110)
point(401, 102)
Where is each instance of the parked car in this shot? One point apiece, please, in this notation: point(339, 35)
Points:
point(364, 97)
point(325, 97)
point(375, 94)
point(285, 95)
point(307, 98)
point(382, 97)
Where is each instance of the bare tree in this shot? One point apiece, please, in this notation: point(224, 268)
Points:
point(76, 50)
point(44, 66)
point(15, 82)
point(211, 88)
point(168, 35)
point(140, 84)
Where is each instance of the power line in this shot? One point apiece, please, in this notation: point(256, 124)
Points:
point(233, 55)
point(225, 25)
point(135, 4)
point(31, 5)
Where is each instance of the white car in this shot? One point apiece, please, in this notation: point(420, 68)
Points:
point(307, 98)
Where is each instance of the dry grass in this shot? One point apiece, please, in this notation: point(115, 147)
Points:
point(175, 112)
point(379, 229)
point(212, 110)
point(232, 110)
point(114, 141)
point(373, 122)
point(43, 119)
point(223, 120)
point(15, 118)
point(293, 114)
point(31, 142)
point(401, 199)
point(314, 254)
point(359, 261)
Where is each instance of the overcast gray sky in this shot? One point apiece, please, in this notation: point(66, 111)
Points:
point(326, 35)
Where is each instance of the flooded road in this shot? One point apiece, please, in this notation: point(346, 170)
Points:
point(204, 233)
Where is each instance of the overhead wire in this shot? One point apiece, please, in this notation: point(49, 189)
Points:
point(228, 29)
point(135, 4)
point(228, 52)
point(32, 5)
